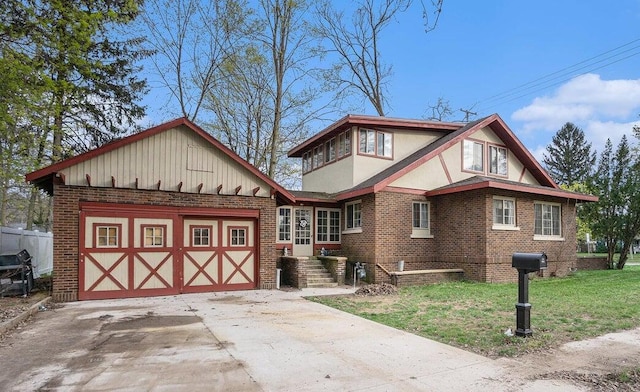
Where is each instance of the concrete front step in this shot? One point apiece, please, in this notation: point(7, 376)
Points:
point(322, 285)
point(318, 276)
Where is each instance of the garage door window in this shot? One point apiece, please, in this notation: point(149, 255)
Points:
point(107, 236)
point(238, 237)
point(153, 236)
point(200, 236)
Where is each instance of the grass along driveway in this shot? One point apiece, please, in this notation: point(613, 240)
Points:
point(474, 316)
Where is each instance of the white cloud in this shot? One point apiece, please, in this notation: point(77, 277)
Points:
point(603, 109)
point(582, 100)
point(597, 132)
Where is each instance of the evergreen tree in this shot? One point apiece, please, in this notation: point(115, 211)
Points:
point(569, 158)
point(616, 216)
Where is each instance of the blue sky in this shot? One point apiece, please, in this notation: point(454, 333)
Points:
point(484, 56)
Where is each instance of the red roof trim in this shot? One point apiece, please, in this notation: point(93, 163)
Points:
point(362, 120)
point(502, 131)
point(556, 192)
point(52, 169)
point(356, 193)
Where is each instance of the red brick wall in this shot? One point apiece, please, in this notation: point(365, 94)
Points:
point(66, 207)
point(463, 236)
point(486, 253)
point(361, 246)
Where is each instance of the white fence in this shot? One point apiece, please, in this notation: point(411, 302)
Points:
point(38, 244)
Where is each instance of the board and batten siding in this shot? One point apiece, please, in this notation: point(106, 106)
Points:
point(171, 157)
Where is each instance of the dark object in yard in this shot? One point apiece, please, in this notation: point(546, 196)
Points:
point(16, 273)
point(377, 289)
point(526, 263)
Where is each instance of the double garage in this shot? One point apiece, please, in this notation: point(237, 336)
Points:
point(128, 252)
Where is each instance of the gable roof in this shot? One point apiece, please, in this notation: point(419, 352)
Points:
point(481, 182)
point(392, 173)
point(370, 121)
point(43, 178)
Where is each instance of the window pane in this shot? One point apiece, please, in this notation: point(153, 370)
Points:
point(473, 155)
point(341, 145)
point(363, 141)
point(334, 226)
point(498, 160)
point(323, 225)
point(371, 142)
point(284, 224)
point(347, 143)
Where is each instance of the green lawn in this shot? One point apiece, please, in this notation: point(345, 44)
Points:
point(474, 316)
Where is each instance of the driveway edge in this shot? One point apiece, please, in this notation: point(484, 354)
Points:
point(13, 323)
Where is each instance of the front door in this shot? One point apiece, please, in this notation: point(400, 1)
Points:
point(302, 231)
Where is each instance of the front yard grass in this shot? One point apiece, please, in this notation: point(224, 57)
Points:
point(474, 316)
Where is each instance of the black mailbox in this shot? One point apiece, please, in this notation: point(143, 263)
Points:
point(529, 261)
point(525, 263)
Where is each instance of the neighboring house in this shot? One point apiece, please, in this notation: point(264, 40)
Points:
point(172, 210)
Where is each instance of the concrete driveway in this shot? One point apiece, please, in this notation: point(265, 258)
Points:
point(236, 341)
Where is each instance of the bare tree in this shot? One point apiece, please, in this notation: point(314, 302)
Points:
point(359, 67)
point(441, 111)
point(193, 40)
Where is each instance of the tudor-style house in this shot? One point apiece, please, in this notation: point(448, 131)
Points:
point(435, 195)
point(172, 210)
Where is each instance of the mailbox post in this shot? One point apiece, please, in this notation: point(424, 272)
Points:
point(525, 263)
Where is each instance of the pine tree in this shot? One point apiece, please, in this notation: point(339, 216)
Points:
point(569, 158)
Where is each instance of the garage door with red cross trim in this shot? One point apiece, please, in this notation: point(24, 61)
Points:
point(128, 253)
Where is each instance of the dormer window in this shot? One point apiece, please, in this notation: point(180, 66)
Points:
point(376, 143)
point(473, 156)
point(498, 160)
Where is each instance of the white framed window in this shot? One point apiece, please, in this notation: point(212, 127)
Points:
point(284, 224)
point(330, 151)
point(327, 225)
point(473, 156)
point(376, 143)
point(344, 144)
point(497, 160)
point(504, 213)
point(153, 236)
point(547, 220)
point(238, 236)
point(107, 236)
point(200, 236)
point(353, 216)
point(421, 219)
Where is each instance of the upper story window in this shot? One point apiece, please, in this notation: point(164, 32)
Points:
point(318, 157)
point(327, 152)
point(375, 143)
point(473, 156)
point(353, 216)
point(498, 160)
point(344, 144)
point(307, 161)
point(504, 213)
point(330, 151)
point(547, 219)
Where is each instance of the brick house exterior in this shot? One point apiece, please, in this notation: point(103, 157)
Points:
point(172, 210)
point(427, 165)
